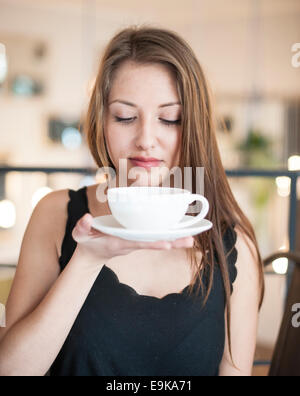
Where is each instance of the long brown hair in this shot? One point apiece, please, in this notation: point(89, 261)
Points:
point(144, 44)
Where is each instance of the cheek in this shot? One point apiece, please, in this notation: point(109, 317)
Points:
point(117, 142)
point(174, 143)
point(111, 142)
point(175, 148)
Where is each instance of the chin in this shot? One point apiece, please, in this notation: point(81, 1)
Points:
point(160, 177)
point(143, 180)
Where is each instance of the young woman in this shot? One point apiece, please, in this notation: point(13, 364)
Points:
point(86, 303)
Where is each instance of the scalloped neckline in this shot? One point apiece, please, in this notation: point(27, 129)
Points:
point(134, 292)
point(130, 288)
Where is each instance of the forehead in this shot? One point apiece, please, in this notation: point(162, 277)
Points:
point(144, 82)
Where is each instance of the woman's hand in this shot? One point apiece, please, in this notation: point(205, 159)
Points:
point(96, 245)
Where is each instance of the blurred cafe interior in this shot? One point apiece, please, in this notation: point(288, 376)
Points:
point(250, 52)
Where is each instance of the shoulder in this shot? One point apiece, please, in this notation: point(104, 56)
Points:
point(247, 264)
point(245, 246)
point(52, 213)
point(53, 207)
point(57, 197)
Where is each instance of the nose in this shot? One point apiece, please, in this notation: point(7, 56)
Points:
point(145, 137)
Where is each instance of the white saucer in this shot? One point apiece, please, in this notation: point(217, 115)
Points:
point(109, 225)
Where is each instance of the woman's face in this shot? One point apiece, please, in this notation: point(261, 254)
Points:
point(143, 119)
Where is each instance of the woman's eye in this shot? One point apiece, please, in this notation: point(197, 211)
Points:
point(124, 120)
point(171, 122)
point(131, 119)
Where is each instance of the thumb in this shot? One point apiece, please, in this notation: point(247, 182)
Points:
point(81, 231)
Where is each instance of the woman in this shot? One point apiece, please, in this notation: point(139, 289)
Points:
point(86, 303)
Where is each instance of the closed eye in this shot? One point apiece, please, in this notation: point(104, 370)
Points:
point(171, 122)
point(124, 120)
point(130, 120)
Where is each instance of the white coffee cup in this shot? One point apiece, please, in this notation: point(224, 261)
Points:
point(153, 208)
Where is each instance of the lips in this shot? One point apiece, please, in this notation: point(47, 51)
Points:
point(145, 162)
point(145, 159)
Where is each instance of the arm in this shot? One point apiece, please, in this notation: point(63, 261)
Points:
point(244, 312)
point(42, 305)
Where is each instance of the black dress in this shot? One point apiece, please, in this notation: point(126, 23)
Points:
point(119, 332)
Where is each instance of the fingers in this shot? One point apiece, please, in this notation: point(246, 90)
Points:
point(84, 232)
point(82, 229)
point(125, 244)
point(187, 242)
point(155, 245)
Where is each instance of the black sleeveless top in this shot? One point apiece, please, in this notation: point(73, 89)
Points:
point(119, 332)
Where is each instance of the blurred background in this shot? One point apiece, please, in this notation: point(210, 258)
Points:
point(250, 52)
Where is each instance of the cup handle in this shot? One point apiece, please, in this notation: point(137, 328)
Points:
point(200, 216)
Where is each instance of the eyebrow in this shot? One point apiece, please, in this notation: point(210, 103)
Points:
point(134, 105)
